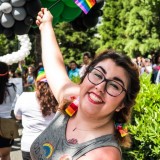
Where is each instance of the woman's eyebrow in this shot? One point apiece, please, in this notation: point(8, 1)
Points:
point(118, 79)
point(103, 70)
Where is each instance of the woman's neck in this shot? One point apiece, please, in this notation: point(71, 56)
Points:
point(83, 123)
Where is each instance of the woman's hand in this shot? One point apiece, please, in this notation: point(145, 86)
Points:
point(44, 17)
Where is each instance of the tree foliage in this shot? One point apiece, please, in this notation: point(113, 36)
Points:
point(132, 27)
point(74, 43)
point(7, 46)
point(145, 128)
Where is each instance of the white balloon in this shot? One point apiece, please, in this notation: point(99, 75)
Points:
point(20, 55)
point(7, 20)
point(6, 7)
point(18, 3)
point(19, 13)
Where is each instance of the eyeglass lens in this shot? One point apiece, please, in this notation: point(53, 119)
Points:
point(112, 87)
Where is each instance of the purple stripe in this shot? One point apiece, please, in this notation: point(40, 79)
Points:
point(83, 5)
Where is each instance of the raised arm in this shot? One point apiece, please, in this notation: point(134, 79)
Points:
point(61, 85)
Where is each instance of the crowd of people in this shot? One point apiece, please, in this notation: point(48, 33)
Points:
point(149, 65)
point(75, 72)
point(80, 113)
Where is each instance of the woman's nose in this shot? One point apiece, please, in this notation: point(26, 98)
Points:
point(101, 87)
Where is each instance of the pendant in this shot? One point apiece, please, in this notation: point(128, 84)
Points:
point(74, 129)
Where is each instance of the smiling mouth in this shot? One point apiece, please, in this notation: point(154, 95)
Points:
point(94, 98)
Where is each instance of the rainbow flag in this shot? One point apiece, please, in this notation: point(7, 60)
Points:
point(85, 5)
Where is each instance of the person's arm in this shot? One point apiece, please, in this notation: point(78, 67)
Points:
point(57, 77)
point(18, 105)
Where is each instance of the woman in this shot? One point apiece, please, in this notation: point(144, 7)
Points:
point(7, 97)
point(29, 85)
point(36, 110)
point(104, 101)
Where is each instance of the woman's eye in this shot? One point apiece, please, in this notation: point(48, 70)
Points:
point(98, 76)
point(115, 86)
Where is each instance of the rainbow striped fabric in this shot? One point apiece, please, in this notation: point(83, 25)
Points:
point(85, 5)
point(122, 128)
point(41, 75)
point(73, 107)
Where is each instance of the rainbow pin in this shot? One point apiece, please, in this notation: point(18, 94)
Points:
point(48, 149)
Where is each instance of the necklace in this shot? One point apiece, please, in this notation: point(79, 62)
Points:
point(93, 129)
point(82, 129)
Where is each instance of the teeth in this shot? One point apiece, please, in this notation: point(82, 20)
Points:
point(95, 98)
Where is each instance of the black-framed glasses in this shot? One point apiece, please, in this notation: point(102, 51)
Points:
point(112, 87)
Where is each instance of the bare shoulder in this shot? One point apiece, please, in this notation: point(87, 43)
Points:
point(104, 153)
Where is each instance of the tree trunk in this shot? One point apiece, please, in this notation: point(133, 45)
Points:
point(37, 49)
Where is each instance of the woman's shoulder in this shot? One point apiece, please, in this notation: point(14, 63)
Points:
point(27, 96)
point(11, 88)
point(103, 153)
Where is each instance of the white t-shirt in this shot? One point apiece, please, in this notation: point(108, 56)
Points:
point(8, 105)
point(33, 122)
point(82, 70)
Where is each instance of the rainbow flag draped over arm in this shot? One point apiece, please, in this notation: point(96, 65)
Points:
point(85, 5)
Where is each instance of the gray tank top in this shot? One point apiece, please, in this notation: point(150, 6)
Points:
point(52, 143)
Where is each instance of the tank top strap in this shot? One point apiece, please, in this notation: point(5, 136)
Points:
point(103, 141)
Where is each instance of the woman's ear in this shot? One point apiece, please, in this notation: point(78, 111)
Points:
point(120, 107)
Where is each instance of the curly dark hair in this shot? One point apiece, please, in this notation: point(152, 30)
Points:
point(4, 82)
point(47, 101)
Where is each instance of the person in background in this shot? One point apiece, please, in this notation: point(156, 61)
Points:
point(156, 69)
point(29, 85)
point(146, 66)
point(93, 125)
point(158, 78)
point(36, 110)
point(22, 67)
point(7, 99)
point(12, 73)
point(139, 61)
point(74, 72)
point(86, 62)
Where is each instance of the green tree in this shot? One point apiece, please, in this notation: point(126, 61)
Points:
point(131, 26)
point(7, 46)
point(74, 43)
point(145, 130)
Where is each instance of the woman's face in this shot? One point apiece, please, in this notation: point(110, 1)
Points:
point(86, 60)
point(94, 100)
